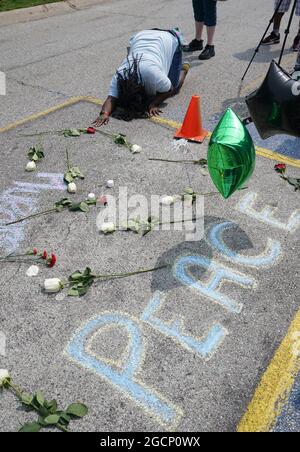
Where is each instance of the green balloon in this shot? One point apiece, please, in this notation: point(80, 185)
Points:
point(231, 154)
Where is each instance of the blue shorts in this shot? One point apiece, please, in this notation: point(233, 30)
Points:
point(205, 11)
point(175, 68)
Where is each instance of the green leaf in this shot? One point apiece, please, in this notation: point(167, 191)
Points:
point(134, 225)
point(87, 271)
point(64, 418)
point(73, 293)
point(64, 202)
point(68, 177)
point(72, 133)
point(43, 411)
point(52, 406)
point(120, 139)
point(84, 207)
point(53, 419)
point(26, 399)
point(31, 427)
point(40, 154)
point(77, 410)
point(41, 421)
point(76, 275)
point(83, 290)
point(293, 181)
point(39, 397)
point(74, 207)
point(76, 171)
point(91, 202)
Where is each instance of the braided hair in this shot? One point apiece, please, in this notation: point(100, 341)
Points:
point(132, 97)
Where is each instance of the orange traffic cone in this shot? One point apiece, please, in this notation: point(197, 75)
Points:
point(191, 128)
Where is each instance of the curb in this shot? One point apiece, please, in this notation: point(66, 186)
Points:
point(43, 11)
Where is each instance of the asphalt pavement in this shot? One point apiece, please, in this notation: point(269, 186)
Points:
point(180, 349)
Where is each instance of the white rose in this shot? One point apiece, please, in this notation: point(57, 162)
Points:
point(31, 166)
point(91, 197)
point(107, 228)
point(135, 149)
point(110, 183)
point(167, 200)
point(53, 285)
point(4, 375)
point(72, 187)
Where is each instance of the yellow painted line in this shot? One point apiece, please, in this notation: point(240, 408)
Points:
point(262, 152)
point(276, 384)
point(266, 153)
point(35, 116)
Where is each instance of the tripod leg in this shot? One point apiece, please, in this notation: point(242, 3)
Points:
point(264, 35)
point(287, 31)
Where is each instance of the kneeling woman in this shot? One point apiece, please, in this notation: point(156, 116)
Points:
point(151, 73)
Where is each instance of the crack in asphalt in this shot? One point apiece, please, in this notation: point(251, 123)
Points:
point(13, 276)
point(21, 82)
point(65, 52)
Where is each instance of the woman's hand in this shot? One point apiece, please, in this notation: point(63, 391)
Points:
point(154, 110)
point(102, 120)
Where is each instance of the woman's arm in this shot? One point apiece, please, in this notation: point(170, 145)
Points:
point(106, 111)
point(158, 100)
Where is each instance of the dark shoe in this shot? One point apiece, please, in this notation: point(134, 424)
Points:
point(193, 46)
point(207, 53)
point(296, 43)
point(273, 38)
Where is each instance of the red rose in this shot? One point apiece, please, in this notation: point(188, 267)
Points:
point(91, 130)
point(52, 261)
point(44, 255)
point(35, 251)
point(280, 167)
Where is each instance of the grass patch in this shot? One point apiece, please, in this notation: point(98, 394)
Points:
point(8, 5)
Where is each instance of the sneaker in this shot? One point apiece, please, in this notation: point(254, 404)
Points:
point(273, 38)
point(207, 53)
point(296, 44)
point(193, 46)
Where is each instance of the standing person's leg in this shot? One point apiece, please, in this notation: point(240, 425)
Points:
point(210, 20)
point(197, 43)
point(297, 67)
point(296, 74)
point(296, 43)
point(274, 37)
